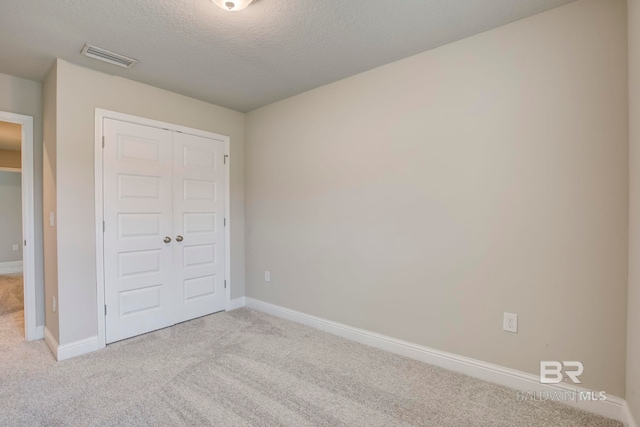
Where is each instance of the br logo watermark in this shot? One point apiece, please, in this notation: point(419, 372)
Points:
point(554, 372)
point(551, 371)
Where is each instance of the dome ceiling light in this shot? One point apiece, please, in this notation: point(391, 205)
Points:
point(232, 5)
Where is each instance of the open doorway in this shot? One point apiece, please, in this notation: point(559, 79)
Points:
point(17, 254)
point(11, 262)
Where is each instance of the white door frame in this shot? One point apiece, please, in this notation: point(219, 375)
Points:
point(107, 114)
point(31, 331)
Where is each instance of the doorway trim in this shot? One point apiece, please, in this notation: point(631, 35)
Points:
point(102, 114)
point(31, 330)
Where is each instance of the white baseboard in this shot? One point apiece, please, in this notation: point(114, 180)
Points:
point(78, 348)
point(629, 421)
point(236, 303)
point(67, 351)
point(10, 267)
point(613, 407)
point(51, 342)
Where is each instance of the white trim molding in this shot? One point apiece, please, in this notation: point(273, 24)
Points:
point(236, 303)
point(7, 169)
point(67, 351)
point(10, 267)
point(51, 342)
point(78, 348)
point(28, 221)
point(100, 115)
point(613, 407)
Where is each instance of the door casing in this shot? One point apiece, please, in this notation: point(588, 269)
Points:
point(100, 115)
point(32, 330)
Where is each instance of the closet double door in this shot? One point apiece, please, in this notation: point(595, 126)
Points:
point(164, 195)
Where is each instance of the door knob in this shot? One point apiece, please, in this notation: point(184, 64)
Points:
point(179, 238)
point(167, 239)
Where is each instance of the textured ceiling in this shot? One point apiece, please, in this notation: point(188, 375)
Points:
point(10, 136)
point(242, 60)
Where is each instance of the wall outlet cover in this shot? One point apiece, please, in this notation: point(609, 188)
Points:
point(510, 322)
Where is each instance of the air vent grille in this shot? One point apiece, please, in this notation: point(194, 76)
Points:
point(108, 56)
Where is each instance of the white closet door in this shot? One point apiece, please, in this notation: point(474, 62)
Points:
point(198, 224)
point(139, 287)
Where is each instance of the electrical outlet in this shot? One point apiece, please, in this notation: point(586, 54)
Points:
point(510, 322)
point(52, 219)
point(54, 304)
point(267, 276)
point(16, 248)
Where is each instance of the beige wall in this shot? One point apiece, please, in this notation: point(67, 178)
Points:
point(25, 97)
point(10, 216)
point(79, 92)
point(10, 159)
point(423, 199)
point(49, 195)
point(633, 325)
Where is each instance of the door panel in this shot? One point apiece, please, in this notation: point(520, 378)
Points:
point(158, 184)
point(138, 215)
point(198, 215)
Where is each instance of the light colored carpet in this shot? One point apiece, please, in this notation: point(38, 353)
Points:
point(11, 293)
point(245, 368)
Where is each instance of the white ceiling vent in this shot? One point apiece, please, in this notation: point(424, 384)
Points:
point(107, 56)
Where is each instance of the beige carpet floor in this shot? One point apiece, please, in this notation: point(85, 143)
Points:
point(245, 368)
point(11, 293)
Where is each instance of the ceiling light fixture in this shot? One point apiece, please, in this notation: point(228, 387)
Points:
point(232, 5)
